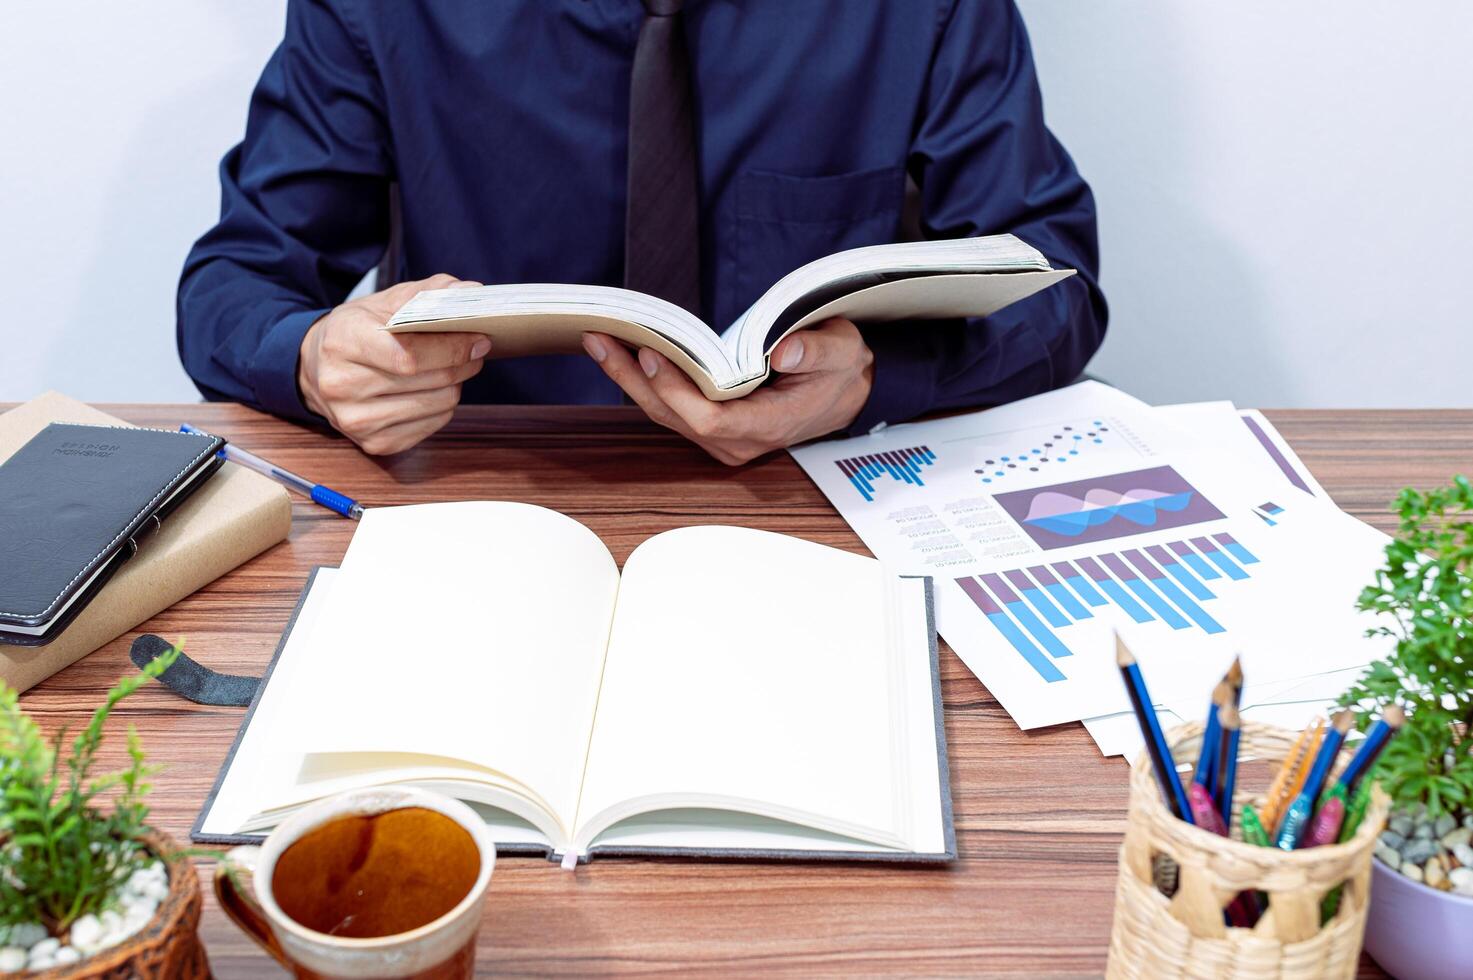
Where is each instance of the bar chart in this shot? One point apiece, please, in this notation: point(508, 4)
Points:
point(1268, 512)
point(901, 465)
point(1171, 585)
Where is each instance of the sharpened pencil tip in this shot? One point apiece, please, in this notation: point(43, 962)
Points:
point(1394, 715)
point(1123, 656)
point(1222, 694)
point(1235, 672)
point(1344, 721)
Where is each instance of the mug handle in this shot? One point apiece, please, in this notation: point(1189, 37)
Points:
point(241, 905)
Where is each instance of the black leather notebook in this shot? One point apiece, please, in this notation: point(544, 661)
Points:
point(78, 501)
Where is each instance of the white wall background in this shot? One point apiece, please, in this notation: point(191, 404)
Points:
point(1284, 189)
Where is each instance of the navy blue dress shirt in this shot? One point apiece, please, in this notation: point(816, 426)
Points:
point(504, 123)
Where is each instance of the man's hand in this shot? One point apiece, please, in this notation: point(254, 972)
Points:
point(827, 372)
point(384, 391)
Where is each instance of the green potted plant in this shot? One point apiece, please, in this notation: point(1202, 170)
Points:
point(87, 888)
point(1421, 916)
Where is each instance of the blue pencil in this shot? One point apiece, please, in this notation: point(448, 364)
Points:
point(1386, 726)
point(1206, 773)
point(1296, 817)
point(1227, 768)
point(1161, 758)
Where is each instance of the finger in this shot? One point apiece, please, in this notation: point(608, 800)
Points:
point(739, 419)
point(371, 415)
point(397, 438)
point(406, 355)
point(381, 383)
point(386, 302)
point(834, 345)
point(624, 371)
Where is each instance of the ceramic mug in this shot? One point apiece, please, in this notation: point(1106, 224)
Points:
point(375, 882)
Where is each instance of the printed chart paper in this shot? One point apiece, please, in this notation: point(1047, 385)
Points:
point(1054, 521)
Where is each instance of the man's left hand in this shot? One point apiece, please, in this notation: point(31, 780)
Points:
point(825, 377)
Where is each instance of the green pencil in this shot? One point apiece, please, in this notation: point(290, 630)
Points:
point(1253, 832)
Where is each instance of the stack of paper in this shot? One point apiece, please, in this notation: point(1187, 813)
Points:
point(1050, 523)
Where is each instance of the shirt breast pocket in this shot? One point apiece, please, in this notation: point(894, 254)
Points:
point(784, 221)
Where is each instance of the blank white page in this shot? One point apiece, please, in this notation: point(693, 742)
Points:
point(469, 631)
point(750, 671)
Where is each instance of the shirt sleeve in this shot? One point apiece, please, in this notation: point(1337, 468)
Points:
point(986, 164)
point(303, 215)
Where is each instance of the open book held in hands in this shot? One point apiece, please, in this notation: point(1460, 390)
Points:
point(732, 693)
point(963, 277)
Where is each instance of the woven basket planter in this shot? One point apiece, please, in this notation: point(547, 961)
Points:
point(168, 948)
point(1185, 935)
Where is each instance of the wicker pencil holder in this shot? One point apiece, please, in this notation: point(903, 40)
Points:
point(1185, 935)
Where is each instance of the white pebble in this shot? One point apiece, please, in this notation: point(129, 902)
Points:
point(1464, 854)
point(27, 934)
point(67, 955)
point(1462, 880)
point(46, 947)
point(86, 932)
point(40, 963)
point(1411, 870)
point(12, 959)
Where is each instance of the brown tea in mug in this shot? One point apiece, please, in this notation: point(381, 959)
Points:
point(379, 875)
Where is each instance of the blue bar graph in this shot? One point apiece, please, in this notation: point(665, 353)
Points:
point(1179, 572)
point(1010, 631)
point(1198, 563)
point(1114, 590)
point(901, 465)
point(1036, 598)
point(1031, 607)
point(1061, 595)
point(1222, 561)
point(1080, 584)
point(1144, 592)
point(1026, 618)
point(1169, 589)
point(1236, 550)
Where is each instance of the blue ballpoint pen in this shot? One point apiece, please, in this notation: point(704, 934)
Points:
point(326, 496)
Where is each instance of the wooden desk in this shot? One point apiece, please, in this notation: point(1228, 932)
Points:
point(1038, 816)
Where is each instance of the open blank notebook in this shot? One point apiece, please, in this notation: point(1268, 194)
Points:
point(734, 692)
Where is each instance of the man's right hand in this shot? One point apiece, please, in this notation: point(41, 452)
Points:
point(386, 391)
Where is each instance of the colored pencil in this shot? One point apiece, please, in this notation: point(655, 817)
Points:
point(1207, 758)
point(1365, 757)
point(1204, 809)
point(1234, 677)
point(1253, 832)
point(1227, 766)
point(1296, 817)
point(1324, 827)
point(1280, 791)
point(1161, 759)
point(1355, 812)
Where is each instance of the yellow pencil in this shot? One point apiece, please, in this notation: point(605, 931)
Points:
point(1291, 776)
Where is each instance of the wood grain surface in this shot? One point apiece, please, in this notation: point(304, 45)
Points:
point(1039, 815)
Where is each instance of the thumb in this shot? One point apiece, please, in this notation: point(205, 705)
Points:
point(833, 345)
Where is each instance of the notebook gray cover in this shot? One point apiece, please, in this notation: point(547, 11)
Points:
point(887, 857)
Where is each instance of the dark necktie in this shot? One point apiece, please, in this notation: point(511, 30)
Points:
point(662, 229)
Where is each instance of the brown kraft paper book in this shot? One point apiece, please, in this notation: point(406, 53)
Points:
point(233, 517)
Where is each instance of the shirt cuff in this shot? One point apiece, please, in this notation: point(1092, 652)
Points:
point(904, 383)
point(273, 374)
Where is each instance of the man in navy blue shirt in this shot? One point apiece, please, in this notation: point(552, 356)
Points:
point(505, 127)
